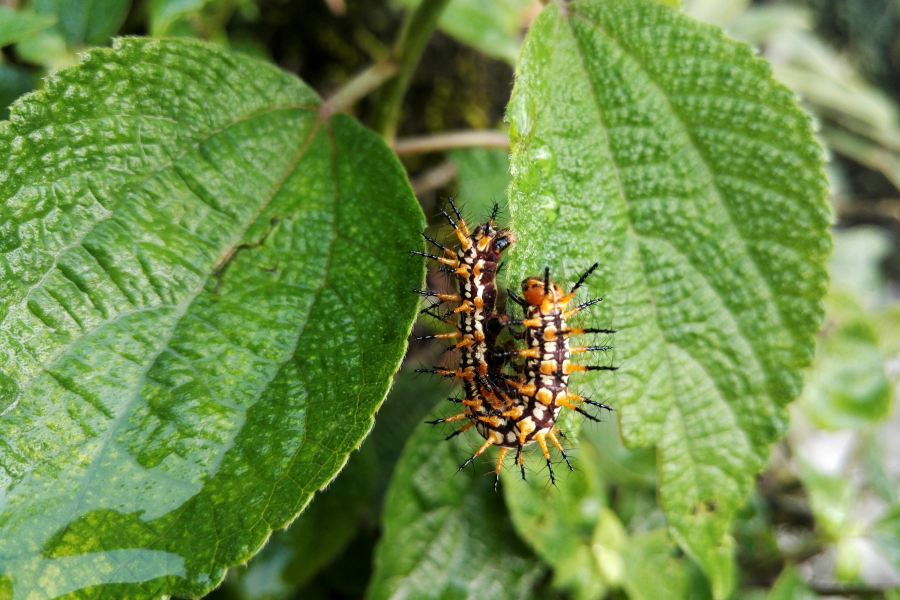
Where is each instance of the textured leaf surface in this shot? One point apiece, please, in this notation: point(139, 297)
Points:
point(293, 556)
point(447, 534)
point(659, 147)
point(204, 296)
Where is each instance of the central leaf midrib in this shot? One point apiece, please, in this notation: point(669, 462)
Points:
point(139, 183)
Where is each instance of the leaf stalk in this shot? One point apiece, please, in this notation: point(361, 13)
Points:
point(359, 86)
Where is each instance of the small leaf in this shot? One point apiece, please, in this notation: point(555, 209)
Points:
point(446, 533)
point(789, 586)
point(204, 292)
point(652, 143)
point(85, 23)
point(831, 498)
point(494, 28)
point(17, 25)
point(652, 572)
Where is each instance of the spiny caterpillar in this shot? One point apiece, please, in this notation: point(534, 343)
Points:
point(543, 388)
point(509, 411)
point(475, 266)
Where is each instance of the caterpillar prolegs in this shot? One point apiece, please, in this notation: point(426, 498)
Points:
point(511, 403)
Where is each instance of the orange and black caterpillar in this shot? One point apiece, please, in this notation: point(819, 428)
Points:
point(543, 387)
point(475, 264)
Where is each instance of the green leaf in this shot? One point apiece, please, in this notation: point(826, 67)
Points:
point(789, 586)
point(293, 556)
point(652, 143)
point(483, 177)
point(494, 28)
point(14, 82)
point(204, 296)
point(85, 23)
point(830, 498)
point(847, 385)
point(17, 25)
point(559, 523)
point(886, 533)
point(446, 533)
point(652, 572)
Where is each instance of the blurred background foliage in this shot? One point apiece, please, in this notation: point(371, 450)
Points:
point(825, 518)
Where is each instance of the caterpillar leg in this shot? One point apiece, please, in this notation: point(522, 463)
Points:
point(490, 442)
point(459, 217)
point(448, 373)
point(459, 431)
point(560, 448)
point(503, 452)
point(450, 262)
point(441, 246)
point(583, 330)
point(460, 229)
point(521, 462)
point(441, 297)
point(441, 336)
point(541, 438)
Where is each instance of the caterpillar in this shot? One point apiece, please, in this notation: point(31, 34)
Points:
point(543, 387)
point(509, 412)
point(475, 265)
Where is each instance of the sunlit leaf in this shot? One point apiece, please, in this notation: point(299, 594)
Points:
point(203, 297)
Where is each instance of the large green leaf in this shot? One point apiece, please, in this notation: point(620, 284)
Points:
point(652, 143)
point(204, 296)
point(446, 533)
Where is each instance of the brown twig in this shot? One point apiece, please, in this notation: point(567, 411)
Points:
point(434, 178)
point(450, 140)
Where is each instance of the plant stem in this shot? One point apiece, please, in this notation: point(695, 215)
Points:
point(454, 139)
point(406, 53)
point(359, 86)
